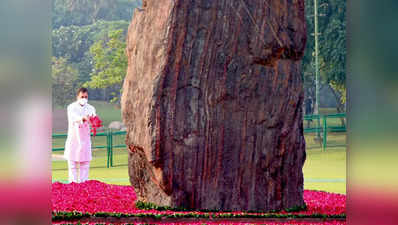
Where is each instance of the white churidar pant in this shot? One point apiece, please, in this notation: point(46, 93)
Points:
point(78, 171)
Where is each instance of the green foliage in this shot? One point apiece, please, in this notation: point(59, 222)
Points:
point(333, 39)
point(69, 215)
point(65, 216)
point(73, 43)
point(340, 88)
point(63, 81)
point(78, 24)
point(110, 62)
point(297, 208)
point(332, 47)
point(85, 12)
point(150, 205)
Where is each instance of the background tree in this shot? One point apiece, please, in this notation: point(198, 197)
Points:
point(78, 24)
point(332, 26)
point(110, 63)
point(64, 79)
point(74, 42)
point(85, 12)
point(334, 50)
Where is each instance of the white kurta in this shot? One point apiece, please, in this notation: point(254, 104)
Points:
point(78, 142)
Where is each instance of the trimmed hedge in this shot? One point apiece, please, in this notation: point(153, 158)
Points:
point(78, 215)
point(150, 205)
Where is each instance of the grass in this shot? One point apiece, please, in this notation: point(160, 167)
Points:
point(108, 112)
point(326, 170)
point(323, 170)
point(98, 170)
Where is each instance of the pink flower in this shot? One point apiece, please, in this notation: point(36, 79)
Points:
point(94, 196)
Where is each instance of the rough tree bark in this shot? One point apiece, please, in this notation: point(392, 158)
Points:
point(212, 103)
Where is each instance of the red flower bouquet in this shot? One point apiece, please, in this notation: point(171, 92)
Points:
point(95, 122)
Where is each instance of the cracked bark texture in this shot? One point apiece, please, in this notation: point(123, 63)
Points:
point(212, 103)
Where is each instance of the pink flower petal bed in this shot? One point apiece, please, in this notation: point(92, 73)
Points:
point(93, 196)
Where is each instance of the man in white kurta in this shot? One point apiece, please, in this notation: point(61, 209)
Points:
point(78, 142)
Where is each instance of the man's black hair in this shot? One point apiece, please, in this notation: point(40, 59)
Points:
point(82, 90)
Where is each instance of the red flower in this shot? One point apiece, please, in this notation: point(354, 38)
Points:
point(94, 196)
point(95, 122)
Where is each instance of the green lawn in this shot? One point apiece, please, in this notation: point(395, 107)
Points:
point(98, 170)
point(323, 170)
point(107, 112)
point(326, 170)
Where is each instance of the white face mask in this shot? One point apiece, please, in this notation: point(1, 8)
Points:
point(82, 101)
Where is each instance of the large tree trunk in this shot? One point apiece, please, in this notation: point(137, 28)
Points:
point(212, 103)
